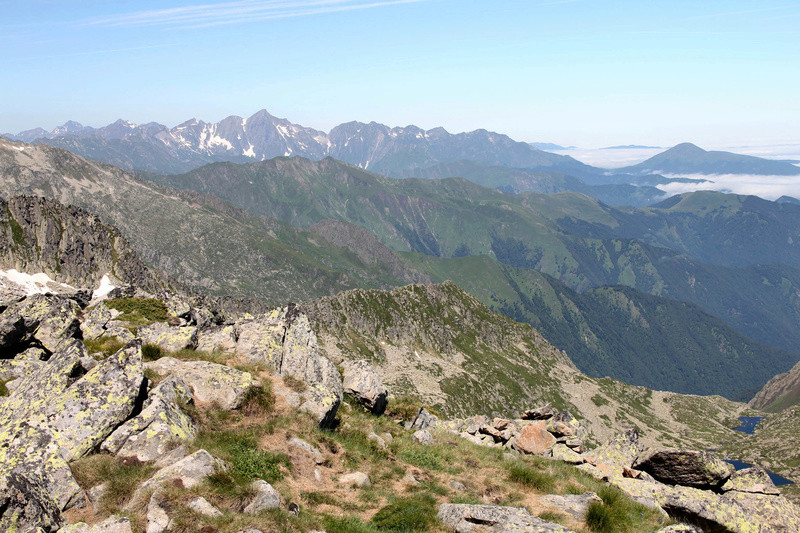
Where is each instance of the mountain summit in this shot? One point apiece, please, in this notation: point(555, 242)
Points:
point(687, 158)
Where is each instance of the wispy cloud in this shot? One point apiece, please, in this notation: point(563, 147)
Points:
point(204, 15)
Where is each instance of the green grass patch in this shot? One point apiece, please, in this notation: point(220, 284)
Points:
point(348, 525)
point(108, 346)
point(531, 476)
point(151, 352)
point(121, 478)
point(423, 457)
point(295, 384)
point(240, 449)
point(415, 513)
point(140, 311)
point(3, 388)
point(599, 401)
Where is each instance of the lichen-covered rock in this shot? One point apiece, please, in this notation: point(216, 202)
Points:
point(177, 305)
point(189, 471)
point(534, 439)
point(89, 410)
point(562, 452)
point(572, 504)
point(220, 338)
point(210, 383)
point(260, 340)
point(18, 368)
point(112, 524)
point(160, 425)
point(685, 467)
point(737, 512)
point(266, 498)
point(169, 338)
point(754, 479)
point(622, 450)
point(302, 360)
point(423, 420)
point(465, 518)
point(95, 320)
point(680, 528)
point(362, 382)
point(201, 317)
point(26, 504)
point(49, 319)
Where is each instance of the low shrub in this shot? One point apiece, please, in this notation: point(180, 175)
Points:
point(121, 477)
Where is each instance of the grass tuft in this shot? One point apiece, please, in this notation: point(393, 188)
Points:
point(531, 476)
point(108, 346)
point(140, 311)
point(415, 513)
point(151, 352)
point(248, 461)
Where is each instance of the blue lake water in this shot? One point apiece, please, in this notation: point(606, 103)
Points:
point(778, 480)
point(749, 424)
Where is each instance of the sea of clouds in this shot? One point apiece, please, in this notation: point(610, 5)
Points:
point(768, 187)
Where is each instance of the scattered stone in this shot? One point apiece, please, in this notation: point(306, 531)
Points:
point(534, 439)
point(464, 518)
point(210, 383)
point(378, 440)
point(189, 471)
point(158, 519)
point(362, 382)
point(95, 495)
point(457, 485)
point(539, 413)
point(685, 467)
point(565, 425)
point(49, 319)
point(423, 436)
point(201, 506)
point(294, 508)
point(112, 524)
point(358, 479)
point(754, 479)
point(572, 504)
point(266, 498)
point(423, 420)
point(169, 338)
point(95, 320)
point(308, 448)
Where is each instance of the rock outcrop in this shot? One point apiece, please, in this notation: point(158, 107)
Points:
point(363, 383)
point(464, 518)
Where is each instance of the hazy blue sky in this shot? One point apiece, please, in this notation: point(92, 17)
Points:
point(578, 72)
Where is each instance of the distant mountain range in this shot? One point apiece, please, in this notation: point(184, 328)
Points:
point(396, 152)
point(686, 158)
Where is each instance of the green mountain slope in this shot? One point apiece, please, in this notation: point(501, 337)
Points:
point(201, 241)
point(620, 332)
point(569, 236)
point(441, 344)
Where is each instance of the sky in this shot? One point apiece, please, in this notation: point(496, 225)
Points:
point(572, 72)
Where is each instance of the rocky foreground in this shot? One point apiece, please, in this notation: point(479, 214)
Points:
point(146, 382)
